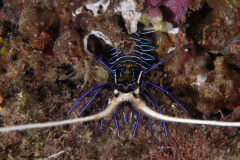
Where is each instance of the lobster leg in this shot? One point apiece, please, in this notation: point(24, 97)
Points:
point(86, 93)
point(136, 125)
point(138, 118)
point(124, 118)
point(88, 102)
point(149, 119)
point(161, 62)
point(150, 95)
point(116, 123)
point(155, 86)
point(131, 114)
point(99, 60)
point(101, 124)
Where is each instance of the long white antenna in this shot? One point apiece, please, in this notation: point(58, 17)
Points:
point(112, 105)
point(143, 108)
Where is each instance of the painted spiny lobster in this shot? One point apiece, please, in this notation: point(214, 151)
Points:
point(129, 71)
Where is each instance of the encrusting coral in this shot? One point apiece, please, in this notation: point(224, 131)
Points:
point(159, 13)
point(172, 10)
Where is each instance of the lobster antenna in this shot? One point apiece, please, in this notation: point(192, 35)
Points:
point(142, 107)
point(113, 104)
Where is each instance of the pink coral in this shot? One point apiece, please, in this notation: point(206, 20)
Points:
point(172, 10)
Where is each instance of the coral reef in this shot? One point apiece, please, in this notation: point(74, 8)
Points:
point(45, 66)
point(178, 146)
point(160, 12)
point(172, 10)
point(34, 20)
point(99, 7)
point(219, 28)
point(129, 14)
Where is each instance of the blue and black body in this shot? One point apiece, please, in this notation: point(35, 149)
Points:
point(129, 71)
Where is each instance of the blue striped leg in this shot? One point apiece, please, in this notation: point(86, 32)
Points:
point(149, 119)
point(150, 95)
point(161, 62)
point(101, 124)
point(88, 102)
point(155, 86)
point(138, 118)
point(86, 93)
point(116, 123)
point(99, 60)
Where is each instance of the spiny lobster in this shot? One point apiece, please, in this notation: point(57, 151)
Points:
point(129, 71)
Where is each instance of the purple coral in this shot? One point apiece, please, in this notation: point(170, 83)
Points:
point(172, 10)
